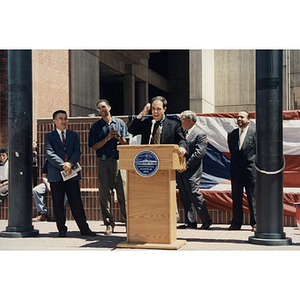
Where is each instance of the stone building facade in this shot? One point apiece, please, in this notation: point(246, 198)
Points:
point(201, 80)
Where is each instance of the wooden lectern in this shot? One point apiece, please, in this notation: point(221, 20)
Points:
point(151, 200)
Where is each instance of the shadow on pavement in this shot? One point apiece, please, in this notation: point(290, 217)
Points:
point(98, 241)
point(103, 241)
point(204, 240)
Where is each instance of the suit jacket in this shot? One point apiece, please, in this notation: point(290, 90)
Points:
point(55, 153)
point(242, 161)
point(172, 132)
point(197, 143)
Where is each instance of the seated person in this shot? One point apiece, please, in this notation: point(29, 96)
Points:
point(38, 194)
point(3, 174)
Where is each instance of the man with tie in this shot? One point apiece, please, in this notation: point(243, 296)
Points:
point(242, 147)
point(62, 150)
point(158, 129)
point(188, 179)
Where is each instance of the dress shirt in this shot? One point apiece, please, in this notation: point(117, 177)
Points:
point(161, 123)
point(4, 170)
point(187, 133)
point(100, 131)
point(245, 133)
point(59, 133)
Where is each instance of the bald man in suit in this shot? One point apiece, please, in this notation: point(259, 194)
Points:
point(242, 147)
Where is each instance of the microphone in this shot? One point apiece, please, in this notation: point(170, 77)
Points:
point(152, 127)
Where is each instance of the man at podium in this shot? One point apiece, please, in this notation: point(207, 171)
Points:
point(158, 129)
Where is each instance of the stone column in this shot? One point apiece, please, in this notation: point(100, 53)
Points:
point(143, 95)
point(20, 144)
point(129, 90)
point(269, 150)
point(201, 73)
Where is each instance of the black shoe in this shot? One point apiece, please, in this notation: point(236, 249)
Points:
point(186, 226)
point(234, 227)
point(88, 233)
point(206, 225)
point(62, 233)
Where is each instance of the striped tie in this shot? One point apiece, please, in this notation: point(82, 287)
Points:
point(64, 143)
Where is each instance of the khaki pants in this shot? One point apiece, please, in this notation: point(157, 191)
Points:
point(109, 177)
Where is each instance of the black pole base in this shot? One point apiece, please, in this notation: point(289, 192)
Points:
point(19, 232)
point(270, 241)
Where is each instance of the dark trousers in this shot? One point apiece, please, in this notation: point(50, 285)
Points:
point(237, 188)
point(34, 176)
point(192, 199)
point(72, 189)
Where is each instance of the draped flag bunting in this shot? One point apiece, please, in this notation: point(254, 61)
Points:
point(215, 182)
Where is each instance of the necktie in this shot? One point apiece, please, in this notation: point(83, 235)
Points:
point(156, 136)
point(241, 140)
point(64, 143)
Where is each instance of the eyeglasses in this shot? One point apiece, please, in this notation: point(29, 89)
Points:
point(62, 119)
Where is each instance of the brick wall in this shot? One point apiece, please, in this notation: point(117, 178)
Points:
point(88, 162)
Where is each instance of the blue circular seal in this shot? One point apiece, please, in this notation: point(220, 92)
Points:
point(146, 163)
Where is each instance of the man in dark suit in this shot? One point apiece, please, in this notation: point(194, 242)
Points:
point(168, 129)
point(159, 129)
point(242, 147)
point(188, 179)
point(63, 152)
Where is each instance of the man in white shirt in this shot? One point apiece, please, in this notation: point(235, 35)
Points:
point(242, 147)
point(3, 175)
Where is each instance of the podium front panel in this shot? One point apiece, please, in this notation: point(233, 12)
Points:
point(151, 195)
point(151, 208)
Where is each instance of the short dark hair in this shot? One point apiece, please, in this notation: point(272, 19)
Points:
point(59, 112)
point(102, 100)
point(3, 150)
point(160, 98)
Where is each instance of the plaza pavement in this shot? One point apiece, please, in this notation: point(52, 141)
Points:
point(94, 267)
point(216, 238)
